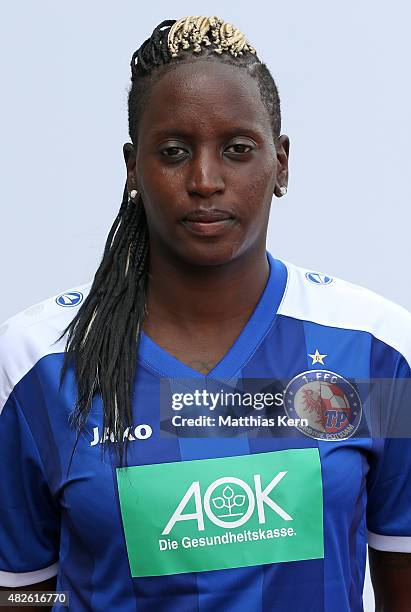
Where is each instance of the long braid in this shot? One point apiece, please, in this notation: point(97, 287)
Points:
point(103, 338)
point(104, 335)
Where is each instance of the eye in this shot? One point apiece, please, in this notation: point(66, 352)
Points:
point(173, 152)
point(240, 148)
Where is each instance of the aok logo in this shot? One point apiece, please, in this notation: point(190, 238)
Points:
point(221, 513)
point(228, 502)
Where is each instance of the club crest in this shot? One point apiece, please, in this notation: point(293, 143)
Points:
point(329, 403)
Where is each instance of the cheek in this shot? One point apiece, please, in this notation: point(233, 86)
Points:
point(160, 197)
point(257, 193)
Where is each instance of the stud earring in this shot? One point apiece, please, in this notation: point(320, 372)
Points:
point(283, 190)
point(133, 193)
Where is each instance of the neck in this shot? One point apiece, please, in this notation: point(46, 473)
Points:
point(193, 297)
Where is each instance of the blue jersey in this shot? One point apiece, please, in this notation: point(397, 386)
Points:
point(209, 522)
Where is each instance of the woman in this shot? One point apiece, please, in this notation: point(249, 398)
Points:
point(270, 519)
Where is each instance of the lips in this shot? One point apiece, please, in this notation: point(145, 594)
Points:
point(209, 223)
point(208, 216)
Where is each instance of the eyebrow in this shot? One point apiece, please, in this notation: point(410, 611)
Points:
point(179, 132)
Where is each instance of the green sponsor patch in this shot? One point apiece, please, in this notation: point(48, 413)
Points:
point(194, 516)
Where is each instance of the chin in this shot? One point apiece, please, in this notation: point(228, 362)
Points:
point(207, 255)
point(211, 254)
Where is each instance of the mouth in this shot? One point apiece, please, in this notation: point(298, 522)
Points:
point(208, 222)
point(208, 216)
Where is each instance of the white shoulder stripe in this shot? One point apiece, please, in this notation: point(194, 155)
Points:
point(9, 579)
point(347, 306)
point(30, 334)
point(389, 543)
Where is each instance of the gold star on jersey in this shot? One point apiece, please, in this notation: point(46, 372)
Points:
point(317, 357)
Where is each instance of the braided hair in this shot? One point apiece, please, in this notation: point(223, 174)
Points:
point(103, 338)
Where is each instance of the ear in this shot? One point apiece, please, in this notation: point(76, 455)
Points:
point(283, 152)
point(130, 159)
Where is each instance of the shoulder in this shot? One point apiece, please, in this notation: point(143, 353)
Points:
point(328, 300)
point(32, 333)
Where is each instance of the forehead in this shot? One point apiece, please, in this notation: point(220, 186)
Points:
point(204, 96)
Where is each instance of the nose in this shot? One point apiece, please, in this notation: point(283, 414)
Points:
point(205, 177)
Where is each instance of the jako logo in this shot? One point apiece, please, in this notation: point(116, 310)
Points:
point(72, 298)
point(141, 432)
point(318, 279)
point(222, 496)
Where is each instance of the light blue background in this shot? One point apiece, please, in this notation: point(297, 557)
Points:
point(343, 74)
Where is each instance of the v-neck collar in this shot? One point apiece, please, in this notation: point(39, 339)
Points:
point(247, 342)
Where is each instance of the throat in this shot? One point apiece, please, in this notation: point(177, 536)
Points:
point(199, 351)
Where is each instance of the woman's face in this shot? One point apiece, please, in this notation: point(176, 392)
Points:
point(206, 164)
